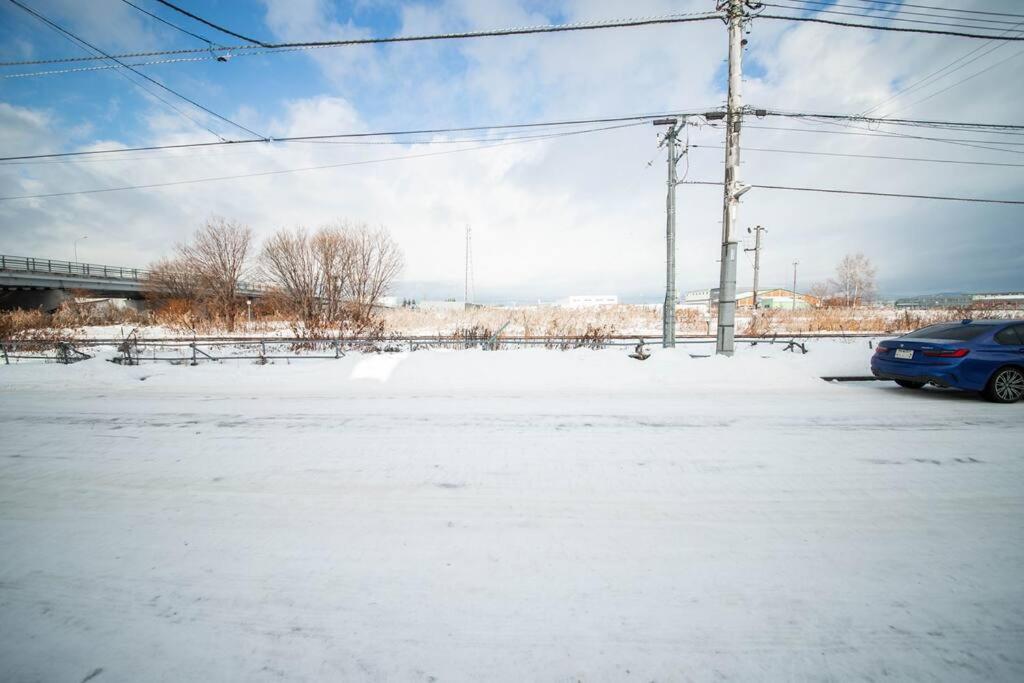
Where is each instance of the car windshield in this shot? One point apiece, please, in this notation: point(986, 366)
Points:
point(952, 332)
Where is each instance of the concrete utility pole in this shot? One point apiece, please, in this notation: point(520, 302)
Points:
point(668, 315)
point(757, 257)
point(795, 264)
point(735, 10)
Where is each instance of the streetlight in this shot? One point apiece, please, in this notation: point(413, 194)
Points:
point(83, 237)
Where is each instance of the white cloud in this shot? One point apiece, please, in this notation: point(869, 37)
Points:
point(572, 214)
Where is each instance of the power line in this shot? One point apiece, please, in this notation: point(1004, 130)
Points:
point(866, 156)
point(802, 8)
point(283, 171)
point(679, 18)
point(895, 10)
point(337, 136)
point(943, 9)
point(206, 58)
point(210, 24)
point(168, 23)
point(961, 142)
point(453, 141)
point(925, 123)
point(135, 71)
point(866, 193)
point(141, 86)
point(962, 80)
point(934, 75)
point(877, 27)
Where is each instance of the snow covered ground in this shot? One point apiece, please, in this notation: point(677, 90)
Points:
point(507, 516)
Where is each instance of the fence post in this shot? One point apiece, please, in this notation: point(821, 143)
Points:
point(194, 361)
point(3, 348)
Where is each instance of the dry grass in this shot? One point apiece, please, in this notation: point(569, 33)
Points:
point(850, 320)
point(481, 324)
point(540, 321)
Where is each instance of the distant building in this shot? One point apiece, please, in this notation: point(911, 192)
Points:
point(706, 300)
point(991, 300)
point(446, 305)
point(1012, 300)
point(588, 301)
point(700, 299)
point(776, 298)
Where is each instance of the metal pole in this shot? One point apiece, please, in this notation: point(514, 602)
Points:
point(465, 294)
point(757, 259)
point(733, 189)
point(83, 237)
point(795, 264)
point(668, 322)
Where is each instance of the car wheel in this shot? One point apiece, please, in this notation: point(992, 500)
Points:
point(907, 384)
point(1006, 386)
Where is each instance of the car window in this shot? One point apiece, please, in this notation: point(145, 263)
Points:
point(950, 331)
point(1011, 335)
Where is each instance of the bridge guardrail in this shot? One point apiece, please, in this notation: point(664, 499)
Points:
point(56, 267)
point(30, 264)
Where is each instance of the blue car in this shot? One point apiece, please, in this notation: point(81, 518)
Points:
point(974, 355)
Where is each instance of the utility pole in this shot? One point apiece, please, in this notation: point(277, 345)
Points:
point(668, 315)
point(757, 257)
point(736, 13)
point(795, 264)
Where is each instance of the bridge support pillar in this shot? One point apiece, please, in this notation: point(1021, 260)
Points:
point(48, 300)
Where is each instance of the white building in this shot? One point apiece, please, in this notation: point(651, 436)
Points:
point(700, 299)
point(588, 301)
point(446, 305)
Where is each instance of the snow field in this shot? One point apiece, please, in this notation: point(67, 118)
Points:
point(515, 515)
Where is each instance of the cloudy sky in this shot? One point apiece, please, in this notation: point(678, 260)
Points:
point(550, 216)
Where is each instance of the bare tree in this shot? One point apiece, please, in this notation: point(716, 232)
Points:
point(375, 262)
point(332, 247)
point(338, 275)
point(218, 254)
point(291, 266)
point(855, 279)
point(171, 279)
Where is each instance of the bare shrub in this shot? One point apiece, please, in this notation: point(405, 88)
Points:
point(19, 321)
point(199, 284)
point(77, 313)
point(31, 331)
point(291, 266)
point(172, 280)
point(374, 262)
point(218, 257)
point(334, 278)
point(762, 323)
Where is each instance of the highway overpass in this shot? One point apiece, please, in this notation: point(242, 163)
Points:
point(29, 282)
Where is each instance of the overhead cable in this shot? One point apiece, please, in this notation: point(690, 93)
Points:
point(678, 18)
point(135, 71)
point(899, 195)
point(210, 24)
